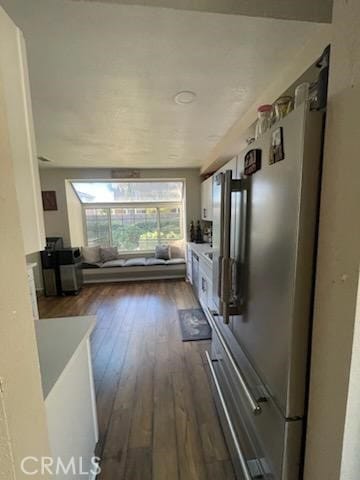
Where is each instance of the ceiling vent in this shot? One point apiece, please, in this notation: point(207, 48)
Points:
point(44, 159)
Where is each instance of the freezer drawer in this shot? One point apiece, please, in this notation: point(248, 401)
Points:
point(271, 444)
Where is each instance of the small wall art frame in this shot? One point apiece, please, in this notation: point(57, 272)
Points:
point(49, 200)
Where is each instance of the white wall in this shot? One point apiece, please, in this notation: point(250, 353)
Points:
point(235, 138)
point(339, 253)
point(23, 428)
point(57, 222)
point(75, 216)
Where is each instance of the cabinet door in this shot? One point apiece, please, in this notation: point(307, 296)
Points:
point(205, 290)
point(14, 77)
point(202, 290)
point(189, 264)
point(209, 212)
point(206, 199)
point(203, 200)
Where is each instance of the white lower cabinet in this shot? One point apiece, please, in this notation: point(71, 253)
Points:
point(189, 264)
point(205, 286)
point(201, 282)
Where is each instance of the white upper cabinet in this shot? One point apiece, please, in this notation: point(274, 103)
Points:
point(206, 199)
point(14, 81)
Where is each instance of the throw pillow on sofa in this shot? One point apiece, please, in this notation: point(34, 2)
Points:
point(163, 252)
point(108, 253)
point(91, 254)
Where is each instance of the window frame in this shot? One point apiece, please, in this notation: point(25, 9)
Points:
point(156, 205)
point(128, 180)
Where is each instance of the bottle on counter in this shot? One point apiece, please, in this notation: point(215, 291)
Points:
point(199, 234)
point(192, 231)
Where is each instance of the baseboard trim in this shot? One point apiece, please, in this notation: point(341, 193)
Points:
point(130, 279)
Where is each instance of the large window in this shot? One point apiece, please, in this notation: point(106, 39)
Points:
point(132, 215)
point(129, 191)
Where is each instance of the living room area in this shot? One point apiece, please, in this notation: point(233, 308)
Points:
point(138, 218)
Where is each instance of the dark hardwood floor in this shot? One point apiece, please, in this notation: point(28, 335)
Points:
point(156, 414)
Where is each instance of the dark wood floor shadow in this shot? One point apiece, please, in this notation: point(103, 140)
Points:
point(157, 418)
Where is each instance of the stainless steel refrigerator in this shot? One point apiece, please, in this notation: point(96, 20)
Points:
point(264, 236)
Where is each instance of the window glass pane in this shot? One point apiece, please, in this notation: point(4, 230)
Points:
point(97, 226)
point(170, 223)
point(134, 228)
point(128, 192)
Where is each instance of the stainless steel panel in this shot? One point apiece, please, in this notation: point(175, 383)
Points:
point(282, 214)
point(253, 400)
point(268, 439)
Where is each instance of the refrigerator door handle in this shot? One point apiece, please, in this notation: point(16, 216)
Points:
point(228, 306)
point(254, 404)
point(244, 219)
point(220, 181)
point(239, 452)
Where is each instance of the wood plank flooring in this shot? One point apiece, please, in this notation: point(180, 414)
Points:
point(157, 418)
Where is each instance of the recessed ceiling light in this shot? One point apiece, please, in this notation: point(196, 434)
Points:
point(185, 97)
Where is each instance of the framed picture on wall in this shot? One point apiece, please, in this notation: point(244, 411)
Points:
point(49, 200)
point(277, 146)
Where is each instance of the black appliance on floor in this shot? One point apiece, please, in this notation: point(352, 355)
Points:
point(70, 270)
point(50, 272)
point(61, 267)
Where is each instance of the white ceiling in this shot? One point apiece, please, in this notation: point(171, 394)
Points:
point(103, 77)
point(312, 10)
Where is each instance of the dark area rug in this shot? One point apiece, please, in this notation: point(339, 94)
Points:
point(193, 325)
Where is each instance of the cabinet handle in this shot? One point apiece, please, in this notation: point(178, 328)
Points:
point(204, 212)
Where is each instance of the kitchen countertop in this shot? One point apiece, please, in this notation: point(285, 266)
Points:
point(201, 249)
point(58, 339)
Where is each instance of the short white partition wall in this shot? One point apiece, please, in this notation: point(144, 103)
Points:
point(75, 216)
point(68, 386)
point(350, 463)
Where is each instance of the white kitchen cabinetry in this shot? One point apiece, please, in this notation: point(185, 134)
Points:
point(206, 199)
point(15, 81)
point(203, 288)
